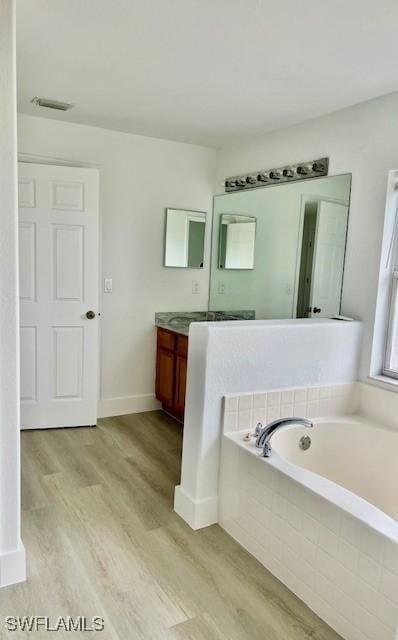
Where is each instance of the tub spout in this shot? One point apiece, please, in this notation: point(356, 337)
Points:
point(266, 433)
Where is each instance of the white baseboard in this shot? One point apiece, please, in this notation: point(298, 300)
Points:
point(13, 567)
point(108, 407)
point(197, 513)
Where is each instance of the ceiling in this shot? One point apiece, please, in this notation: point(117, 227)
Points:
point(204, 71)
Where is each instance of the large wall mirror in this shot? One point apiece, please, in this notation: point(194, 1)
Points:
point(280, 250)
point(185, 238)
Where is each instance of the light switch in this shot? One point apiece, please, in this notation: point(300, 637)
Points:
point(221, 287)
point(195, 286)
point(108, 285)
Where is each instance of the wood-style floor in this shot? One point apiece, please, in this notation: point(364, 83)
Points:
point(102, 540)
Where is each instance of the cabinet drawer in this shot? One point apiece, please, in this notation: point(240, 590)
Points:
point(182, 345)
point(166, 339)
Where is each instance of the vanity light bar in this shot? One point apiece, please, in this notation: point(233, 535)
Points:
point(290, 173)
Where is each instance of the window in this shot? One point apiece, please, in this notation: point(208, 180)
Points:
point(391, 357)
point(390, 365)
point(384, 352)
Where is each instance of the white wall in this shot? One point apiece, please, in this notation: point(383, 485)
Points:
point(362, 140)
point(12, 555)
point(139, 178)
point(250, 356)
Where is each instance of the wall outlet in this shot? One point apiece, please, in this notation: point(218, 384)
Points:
point(195, 286)
point(108, 285)
point(221, 287)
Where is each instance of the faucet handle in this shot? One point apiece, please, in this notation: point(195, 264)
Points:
point(267, 451)
point(257, 429)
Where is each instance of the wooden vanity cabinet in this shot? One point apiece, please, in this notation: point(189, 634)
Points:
point(171, 371)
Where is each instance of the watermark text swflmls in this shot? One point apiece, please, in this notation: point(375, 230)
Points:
point(62, 623)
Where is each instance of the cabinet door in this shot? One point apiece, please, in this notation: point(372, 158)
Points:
point(165, 376)
point(180, 384)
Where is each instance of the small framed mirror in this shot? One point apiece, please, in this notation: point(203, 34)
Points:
point(185, 238)
point(237, 241)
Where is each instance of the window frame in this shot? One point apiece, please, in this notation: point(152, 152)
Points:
point(386, 308)
point(392, 323)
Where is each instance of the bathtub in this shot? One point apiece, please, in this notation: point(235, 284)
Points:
point(323, 520)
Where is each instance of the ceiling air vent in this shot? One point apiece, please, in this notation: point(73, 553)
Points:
point(52, 104)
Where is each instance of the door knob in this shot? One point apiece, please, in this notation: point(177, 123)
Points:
point(316, 310)
point(90, 315)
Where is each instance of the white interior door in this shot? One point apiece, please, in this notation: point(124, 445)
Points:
point(58, 254)
point(328, 263)
point(240, 245)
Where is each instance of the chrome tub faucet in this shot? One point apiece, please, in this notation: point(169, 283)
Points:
point(265, 434)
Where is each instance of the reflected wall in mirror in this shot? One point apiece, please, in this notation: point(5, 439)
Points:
point(185, 238)
point(297, 249)
point(237, 242)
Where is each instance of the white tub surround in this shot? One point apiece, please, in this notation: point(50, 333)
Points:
point(245, 411)
point(12, 553)
point(378, 403)
point(334, 549)
point(375, 403)
point(237, 357)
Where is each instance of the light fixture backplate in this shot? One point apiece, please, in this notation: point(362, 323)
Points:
point(279, 175)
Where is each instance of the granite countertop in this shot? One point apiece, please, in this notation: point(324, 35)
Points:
point(182, 329)
point(179, 322)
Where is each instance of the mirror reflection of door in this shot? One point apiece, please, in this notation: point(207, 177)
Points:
point(307, 256)
point(237, 242)
point(185, 238)
point(322, 259)
point(196, 241)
